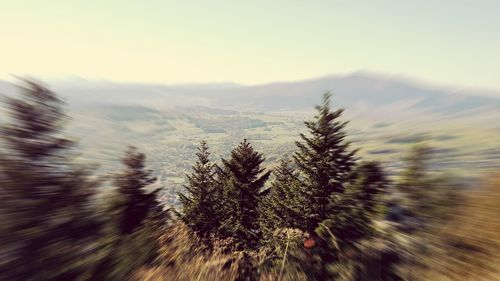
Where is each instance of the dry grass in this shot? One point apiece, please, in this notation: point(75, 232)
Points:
point(468, 246)
point(185, 257)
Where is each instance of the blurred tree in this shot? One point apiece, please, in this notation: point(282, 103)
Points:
point(48, 228)
point(414, 183)
point(351, 222)
point(425, 195)
point(328, 196)
point(134, 201)
point(325, 163)
point(284, 206)
point(199, 204)
point(135, 220)
point(425, 200)
point(242, 180)
point(357, 208)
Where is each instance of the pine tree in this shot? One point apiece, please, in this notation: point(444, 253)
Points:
point(284, 206)
point(327, 196)
point(135, 218)
point(242, 179)
point(325, 163)
point(48, 227)
point(134, 201)
point(356, 208)
point(199, 204)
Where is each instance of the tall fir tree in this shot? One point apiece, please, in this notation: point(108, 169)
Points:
point(242, 179)
point(199, 203)
point(325, 162)
point(135, 218)
point(48, 228)
point(343, 196)
point(135, 202)
point(325, 195)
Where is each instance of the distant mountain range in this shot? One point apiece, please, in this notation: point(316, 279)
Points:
point(356, 91)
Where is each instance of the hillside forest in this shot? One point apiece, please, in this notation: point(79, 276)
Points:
point(322, 212)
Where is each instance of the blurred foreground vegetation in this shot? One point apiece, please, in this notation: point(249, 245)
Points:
point(322, 214)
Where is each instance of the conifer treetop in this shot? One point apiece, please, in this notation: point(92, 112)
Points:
point(324, 155)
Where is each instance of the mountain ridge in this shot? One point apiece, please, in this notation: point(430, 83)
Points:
point(360, 89)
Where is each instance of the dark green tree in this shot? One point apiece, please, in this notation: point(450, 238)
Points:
point(328, 196)
point(325, 163)
point(242, 179)
point(135, 218)
point(199, 203)
point(135, 202)
point(356, 208)
point(48, 228)
point(283, 207)
point(339, 236)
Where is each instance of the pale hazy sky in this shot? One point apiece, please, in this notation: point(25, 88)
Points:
point(251, 41)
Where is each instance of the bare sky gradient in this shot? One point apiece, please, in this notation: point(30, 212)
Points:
point(250, 42)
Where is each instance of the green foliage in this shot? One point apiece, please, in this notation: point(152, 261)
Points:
point(325, 163)
point(340, 235)
point(283, 207)
point(325, 195)
point(134, 219)
point(48, 227)
point(315, 222)
point(316, 190)
point(135, 203)
point(356, 209)
point(242, 180)
point(199, 205)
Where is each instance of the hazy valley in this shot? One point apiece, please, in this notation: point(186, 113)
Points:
point(386, 116)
